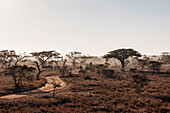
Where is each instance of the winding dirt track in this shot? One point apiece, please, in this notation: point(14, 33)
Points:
point(47, 88)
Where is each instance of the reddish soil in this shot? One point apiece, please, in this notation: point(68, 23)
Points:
point(98, 94)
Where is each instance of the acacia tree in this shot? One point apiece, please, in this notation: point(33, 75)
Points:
point(155, 65)
point(74, 56)
point(20, 58)
point(19, 74)
point(165, 57)
point(44, 56)
point(84, 58)
point(53, 61)
point(7, 57)
point(122, 55)
point(39, 69)
point(63, 60)
point(142, 62)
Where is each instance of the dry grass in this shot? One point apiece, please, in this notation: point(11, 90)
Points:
point(7, 83)
point(99, 94)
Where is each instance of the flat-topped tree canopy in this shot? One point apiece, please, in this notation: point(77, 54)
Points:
point(43, 56)
point(122, 54)
point(86, 57)
point(7, 57)
point(74, 56)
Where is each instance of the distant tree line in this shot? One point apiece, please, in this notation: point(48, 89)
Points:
point(15, 64)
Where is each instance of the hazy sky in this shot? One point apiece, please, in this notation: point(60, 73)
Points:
point(90, 26)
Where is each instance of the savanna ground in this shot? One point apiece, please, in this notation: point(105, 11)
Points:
point(97, 94)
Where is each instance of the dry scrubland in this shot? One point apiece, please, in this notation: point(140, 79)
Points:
point(97, 94)
point(7, 85)
point(139, 84)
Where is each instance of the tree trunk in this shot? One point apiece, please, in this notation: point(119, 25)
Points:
point(39, 70)
point(74, 64)
point(16, 62)
point(15, 81)
point(123, 64)
point(38, 74)
point(54, 93)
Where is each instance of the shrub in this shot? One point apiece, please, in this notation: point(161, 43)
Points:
point(55, 85)
point(87, 77)
point(64, 70)
point(155, 65)
point(82, 71)
point(133, 70)
point(140, 81)
point(20, 74)
point(108, 72)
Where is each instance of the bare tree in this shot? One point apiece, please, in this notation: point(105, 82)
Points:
point(74, 56)
point(122, 54)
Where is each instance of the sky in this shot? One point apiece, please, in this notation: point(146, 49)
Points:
point(90, 26)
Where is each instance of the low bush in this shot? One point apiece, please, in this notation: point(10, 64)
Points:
point(108, 73)
point(140, 81)
point(87, 77)
point(133, 70)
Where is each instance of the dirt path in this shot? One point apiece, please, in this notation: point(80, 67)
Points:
point(47, 88)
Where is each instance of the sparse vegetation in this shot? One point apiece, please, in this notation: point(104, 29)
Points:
point(73, 56)
point(39, 69)
point(122, 55)
point(20, 74)
point(155, 66)
point(44, 56)
point(87, 77)
point(93, 87)
point(54, 86)
point(140, 81)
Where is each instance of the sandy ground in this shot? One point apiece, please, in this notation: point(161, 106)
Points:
point(47, 88)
